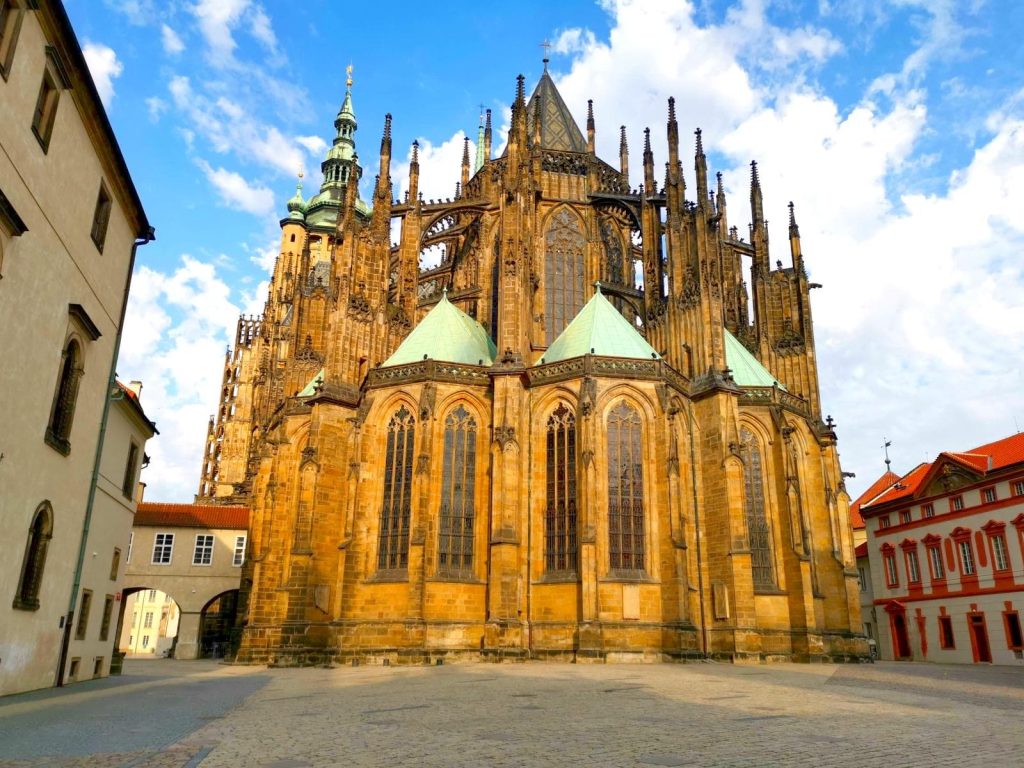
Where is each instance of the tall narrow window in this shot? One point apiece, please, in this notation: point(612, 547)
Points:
point(10, 23)
point(560, 512)
point(131, 468)
point(563, 272)
point(396, 508)
point(115, 563)
point(458, 488)
point(46, 109)
point(913, 567)
point(108, 610)
point(203, 552)
point(625, 490)
point(101, 217)
point(758, 531)
point(966, 557)
point(163, 548)
point(39, 534)
point(239, 554)
point(83, 615)
point(62, 413)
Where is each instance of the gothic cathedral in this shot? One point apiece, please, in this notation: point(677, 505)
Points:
point(571, 437)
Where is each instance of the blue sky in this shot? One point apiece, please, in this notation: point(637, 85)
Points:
point(896, 127)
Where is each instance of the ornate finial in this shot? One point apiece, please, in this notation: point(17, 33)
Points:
point(792, 216)
point(753, 174)
point(348, 76)
point(415, 150)
point(700, 142)
point(487, 120)
point(622, 137)
point(547, 46)
point(647, 140)
point(671, 109)
point(885, 447)
point(597, 285)
point(444, 293)
point(520, 89)
point(387, 126)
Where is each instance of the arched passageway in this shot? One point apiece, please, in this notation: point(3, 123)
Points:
point(216, 622)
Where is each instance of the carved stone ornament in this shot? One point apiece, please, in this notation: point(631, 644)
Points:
point(504, 436)
point(308, 455)
point(362, 411)
point(359, 307)
point(427, 398)
point(422, 464)
point(588, 396)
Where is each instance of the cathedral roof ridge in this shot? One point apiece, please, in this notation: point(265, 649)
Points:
point(599, 329)
point(448, 334)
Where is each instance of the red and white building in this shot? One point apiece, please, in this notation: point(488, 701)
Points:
point(946, 554)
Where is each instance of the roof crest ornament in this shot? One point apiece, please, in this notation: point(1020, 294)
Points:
point(547, 46)
point(348, 76)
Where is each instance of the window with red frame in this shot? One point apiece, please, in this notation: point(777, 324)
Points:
point(892, 577)
point(1014, 637)
point(904, 516)
point(913, 567)
point(935, 560)
point(927, 511)
point(966, 557)
point(883, 522)
point(946, 639)
point(956, 503)
point(988, 495)
point(1018, 488)
point(1000, 557)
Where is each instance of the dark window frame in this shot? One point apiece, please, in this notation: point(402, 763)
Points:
point(85, 608)
point(759, 534)
point(11, 13)
point(101, 216)
point(108, 610)
point(947, 638)
point(560, 513)
point(626, 512)
point(396, 495)
point(131, 470)
point(457, 513)
point(33, 564)
point(65, 398)
point(564, 271)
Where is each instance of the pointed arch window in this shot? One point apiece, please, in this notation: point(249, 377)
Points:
point(458, 489)
point(62, 413)
point(39, 534)
point(625, 490)
point(563, 272)
point(560, 511)
point(758, 531)
point(396, 507)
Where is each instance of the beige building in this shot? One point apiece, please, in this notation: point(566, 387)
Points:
point(150, 626)
point(70, 222)
point(194, 553)
point(946, 551)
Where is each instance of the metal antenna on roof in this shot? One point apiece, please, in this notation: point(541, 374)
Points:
point(885, 448)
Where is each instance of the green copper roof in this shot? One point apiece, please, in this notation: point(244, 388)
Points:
point(310, 389)
point(445, 333)
point(558, 129)
point(296, 205)
point(747, 371)
point(599, 329)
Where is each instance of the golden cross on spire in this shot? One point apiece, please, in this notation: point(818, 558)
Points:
point(348, 76)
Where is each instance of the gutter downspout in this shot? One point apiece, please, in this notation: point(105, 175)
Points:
point(145, 237)
point(697, 536)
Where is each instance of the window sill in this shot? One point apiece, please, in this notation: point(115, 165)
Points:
point(59, 444)
point(388, 577)
point(23, 605)
point(44, 143)
point(770, 591)
point(454, 578)
point(628, 577)
point(559, 577)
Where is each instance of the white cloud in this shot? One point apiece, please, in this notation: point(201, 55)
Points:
point(156, 107)
point(172, 43)
point(315, 145)
point(237, 193)
point(218, 21)
point(104, 67)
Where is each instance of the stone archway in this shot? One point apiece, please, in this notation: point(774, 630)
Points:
point(149, 623)
point(216, 623)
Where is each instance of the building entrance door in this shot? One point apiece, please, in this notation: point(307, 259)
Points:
point(979, 639)
point(901, 640)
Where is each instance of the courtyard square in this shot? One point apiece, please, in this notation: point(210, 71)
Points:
point(168, 713)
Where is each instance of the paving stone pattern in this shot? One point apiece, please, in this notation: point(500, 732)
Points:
point(538, 714)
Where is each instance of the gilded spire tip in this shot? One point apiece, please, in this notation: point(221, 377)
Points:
point(348, 77)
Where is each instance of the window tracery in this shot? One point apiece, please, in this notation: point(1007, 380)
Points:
point(396, 505)
point(563, 272)
point(758, 530)
point(625, 490)
point(560, 510)
point(458, 489)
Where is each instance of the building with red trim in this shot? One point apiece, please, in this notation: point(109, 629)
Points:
point(946, 552)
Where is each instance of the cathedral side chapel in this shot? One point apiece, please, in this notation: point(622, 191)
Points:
point(574, 437)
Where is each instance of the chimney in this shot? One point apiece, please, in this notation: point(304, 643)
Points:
point(140, 491)
point(135, 387)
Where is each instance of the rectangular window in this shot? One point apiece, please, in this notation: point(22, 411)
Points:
point(928, 511)
point(956, 503)
point(935, 557)
point(149, 620)
point(10, 23)
point(73, 672)
point(108, 610)
point(1014, 638)
point(905, 517)
point(131, 542)
point(101, 218)
point(988, 495)
point(863, 579)
point(967, 557)
point(1018, 488)
point(152, 595)
point(46, 110)
point(131, 469)
point(203, 554)
point(97, 667)
point(999, 556)
point(892, 578)
point(946, 639)
point(145, 641)
point(239, 555)
point(115, 563)
point(83, 614)
point(913, 567)
point(883, 522)
point(163, 546)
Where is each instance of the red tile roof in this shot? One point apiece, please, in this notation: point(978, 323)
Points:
point(192, 515)
point(885, 481)
point(861, 550)
point(982, 460)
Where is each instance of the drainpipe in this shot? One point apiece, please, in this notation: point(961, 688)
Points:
point(697, 536)
point(145, 237)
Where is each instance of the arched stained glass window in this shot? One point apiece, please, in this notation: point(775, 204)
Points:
point(560, 512)
point(758, 532)
point(39, 535)
point(625, 490)
point(458, 488)
point(396, 507)
point(563, 272)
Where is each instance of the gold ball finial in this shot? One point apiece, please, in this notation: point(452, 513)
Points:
point(348, 76)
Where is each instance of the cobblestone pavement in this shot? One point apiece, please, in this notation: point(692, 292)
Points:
point(540, 714)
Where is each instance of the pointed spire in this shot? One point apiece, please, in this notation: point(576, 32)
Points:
point(756, 202)
point(794, 238)
point(648, 163)
point(538, 121)
point(520, 91)
point(414, 173)
point(465, 162)
point(623, 153)
point(723, 221)
point(487, 136)
point(479, 143)
point(384, 175)
point(590, 126)
point(673, 133)
point(701, 167)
